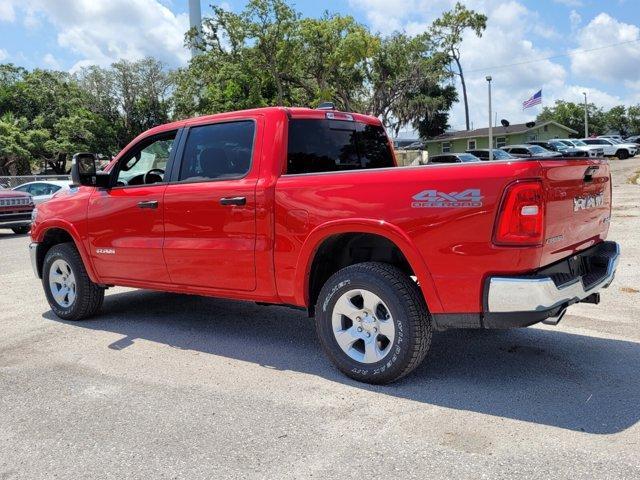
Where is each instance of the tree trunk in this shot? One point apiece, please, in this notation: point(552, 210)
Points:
point(464, 92)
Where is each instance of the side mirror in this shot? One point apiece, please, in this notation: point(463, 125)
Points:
point(84, 172)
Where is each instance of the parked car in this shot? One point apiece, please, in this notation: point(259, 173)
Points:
point(633, 139)
point(302, 207)
point(592, 150)
point(43, 190)
point(612, 148)
point(419, 145)
point(15, 210)
point(530, 151)
point(498, 154)
point(614, 137)
point(557, 146)
point(452, 158)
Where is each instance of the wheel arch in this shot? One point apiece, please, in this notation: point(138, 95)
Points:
point(322, 237)
point(56, 233)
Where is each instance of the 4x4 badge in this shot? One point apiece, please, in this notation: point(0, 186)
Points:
point(472, 197)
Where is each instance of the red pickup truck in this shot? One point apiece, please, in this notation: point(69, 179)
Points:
point(307, 208)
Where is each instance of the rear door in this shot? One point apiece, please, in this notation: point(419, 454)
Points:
point(578, 205)
point(210, 207)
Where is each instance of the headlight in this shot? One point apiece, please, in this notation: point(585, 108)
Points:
point(34, 214)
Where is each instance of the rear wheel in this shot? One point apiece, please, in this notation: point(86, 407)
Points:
point(622, 154)
point(69, 290)
point(373, 323)
point(20, 230)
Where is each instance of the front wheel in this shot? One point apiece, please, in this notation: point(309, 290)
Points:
point(373, 323)
point(622, 154)
point(69, 290)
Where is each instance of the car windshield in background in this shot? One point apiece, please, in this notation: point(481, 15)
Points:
point(537, 150)
point(336, 145)
point(467, 157)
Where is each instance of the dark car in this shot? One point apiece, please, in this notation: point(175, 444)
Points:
point(561, 147)
point(498, 154)
point(453, 158)
point(530, 151)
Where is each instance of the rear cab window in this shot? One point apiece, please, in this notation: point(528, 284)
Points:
point(323, 145)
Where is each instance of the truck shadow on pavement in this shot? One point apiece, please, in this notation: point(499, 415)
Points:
point(553, 378)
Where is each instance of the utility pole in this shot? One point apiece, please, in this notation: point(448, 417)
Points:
point(195, 21)
point(586, 117)
point(488, 78)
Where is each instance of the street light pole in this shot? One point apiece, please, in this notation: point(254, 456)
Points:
point(586, 116)
point(488, 78)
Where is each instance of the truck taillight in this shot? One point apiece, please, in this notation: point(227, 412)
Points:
point(521, 217)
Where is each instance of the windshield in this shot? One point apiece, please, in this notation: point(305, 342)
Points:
point(579, 143)
point(501, 155)
point(537, 149)
point(467, 157)
point(614, 140)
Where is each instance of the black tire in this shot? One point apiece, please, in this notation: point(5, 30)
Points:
point(88, 295)
point(406, 306)
point(20, 230)
point(622, 154)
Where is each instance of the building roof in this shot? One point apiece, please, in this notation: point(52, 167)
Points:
point(497, 131)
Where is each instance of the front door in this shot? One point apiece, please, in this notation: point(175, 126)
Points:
point(210, 209)
point(125, 223)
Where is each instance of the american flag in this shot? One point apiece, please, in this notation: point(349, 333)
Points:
point(535, 100)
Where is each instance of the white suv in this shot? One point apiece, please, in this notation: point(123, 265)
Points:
point(592, 150)
point(613, 148)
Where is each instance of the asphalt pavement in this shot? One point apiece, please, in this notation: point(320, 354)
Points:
point(174, 386)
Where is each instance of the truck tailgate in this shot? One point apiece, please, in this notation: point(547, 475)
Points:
point(578, 206)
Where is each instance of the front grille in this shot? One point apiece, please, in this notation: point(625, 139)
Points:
point(12, 202)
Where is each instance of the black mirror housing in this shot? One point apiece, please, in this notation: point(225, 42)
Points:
point(84, 171)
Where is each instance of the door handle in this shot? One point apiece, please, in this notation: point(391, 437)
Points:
point(233, 201)
point(148, 204)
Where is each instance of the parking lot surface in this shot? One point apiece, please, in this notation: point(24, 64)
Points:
point(175, 386)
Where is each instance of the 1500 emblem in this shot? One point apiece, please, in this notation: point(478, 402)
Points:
point(106, 251)
point(471, 197)
point(588, 201)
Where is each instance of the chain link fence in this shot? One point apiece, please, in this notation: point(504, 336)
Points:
point(14, 181)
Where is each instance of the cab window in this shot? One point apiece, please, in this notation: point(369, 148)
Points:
point(220, 151)
point(146, 163)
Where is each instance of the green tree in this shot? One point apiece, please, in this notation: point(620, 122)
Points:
point(572, 115)
point(447, 32)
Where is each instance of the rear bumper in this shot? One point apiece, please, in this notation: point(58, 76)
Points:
point(519, 301)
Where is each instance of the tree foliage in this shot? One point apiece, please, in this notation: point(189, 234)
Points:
point(448, 30)
point(620, 119)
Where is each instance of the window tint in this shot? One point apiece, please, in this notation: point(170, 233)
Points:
point(519, 151)
point(152, 154)
point(218, 151)
point(336, 145)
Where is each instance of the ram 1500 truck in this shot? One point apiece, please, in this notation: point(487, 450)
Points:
point(307, 208)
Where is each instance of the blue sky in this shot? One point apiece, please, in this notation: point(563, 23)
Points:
point(67, 34)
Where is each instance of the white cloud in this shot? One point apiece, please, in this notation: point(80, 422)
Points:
point(51, 62)
point(620, 63)
point(101, 32)
point(3, 54)
point(7, 12)
point(574, 19)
